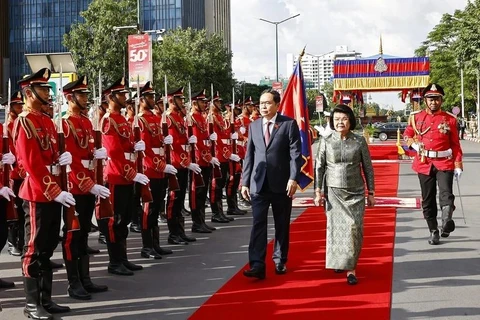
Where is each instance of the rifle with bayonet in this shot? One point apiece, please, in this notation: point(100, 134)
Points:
point(104, 206)
point(198, 178)
point(71, 216)
point(172, 179)
point(145, 192)
point(216, 172)
point(11, 213)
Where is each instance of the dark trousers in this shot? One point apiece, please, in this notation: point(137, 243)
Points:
point(217, 185)
point(42, 226)
point(137, 204)
point(152, 209)
point(115, 229)
point(75, 242)
point(282, 210)
point(16, 229)
point(175, 202)
point(198, 196)
point(3, 222)
point(428, 184)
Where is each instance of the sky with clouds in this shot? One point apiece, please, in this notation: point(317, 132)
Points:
point(323, 24)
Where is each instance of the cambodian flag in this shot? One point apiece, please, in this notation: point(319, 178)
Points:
point(294, 105)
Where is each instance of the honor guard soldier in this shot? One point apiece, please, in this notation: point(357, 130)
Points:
point(181, 161)
point(242, 123)
point(433, 133)
point(205, 160)
point(159, 108)
point(224, 154)
point(41, 192)
point(120, 176)
point(80, 143)
point(16, 228)
point(155, 169)
point(6, 196)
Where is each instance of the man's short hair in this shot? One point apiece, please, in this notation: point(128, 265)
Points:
point(274, 93)
point(343, 108)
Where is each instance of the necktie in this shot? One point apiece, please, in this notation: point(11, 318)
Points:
point(267, 133)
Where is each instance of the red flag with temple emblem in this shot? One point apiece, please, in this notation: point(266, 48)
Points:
point(294, 105)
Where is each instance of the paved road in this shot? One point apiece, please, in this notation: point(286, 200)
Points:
point(439, 282)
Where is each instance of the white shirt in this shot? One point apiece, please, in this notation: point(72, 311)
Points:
point(272, 121)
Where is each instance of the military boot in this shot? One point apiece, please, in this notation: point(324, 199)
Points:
point(216, 216)
point(182, 234)
point(75, 287)
point(46, 284)
point(198, 225)
point(123, 257)
point(14, 247)
point(156, 242)
point(434, 233)
point(448, 225)
point(115, 265)
point(174, 231)
point(147, 242)
point(33, 308)
point(84, 273)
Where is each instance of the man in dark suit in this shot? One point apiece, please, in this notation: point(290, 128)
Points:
point(271, 168)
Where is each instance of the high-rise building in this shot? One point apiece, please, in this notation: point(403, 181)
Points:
point(38, 26)
point(4, 62)
point(318, 69)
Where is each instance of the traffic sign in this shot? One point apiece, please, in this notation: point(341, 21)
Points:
point(456, 110)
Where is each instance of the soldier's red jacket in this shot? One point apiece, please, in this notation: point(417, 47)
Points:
point(151, 133)
point(119, 141)
point(437, 132)
point(37, 135)
point(200, 130)
point(18, 172)
point(79, 142)
point(242, 121)
point(221, 128)
point(180, 155)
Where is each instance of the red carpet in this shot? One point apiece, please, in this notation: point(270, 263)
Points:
point(383, 151)
point(308, 290)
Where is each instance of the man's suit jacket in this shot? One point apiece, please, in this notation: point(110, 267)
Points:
point(279, 161)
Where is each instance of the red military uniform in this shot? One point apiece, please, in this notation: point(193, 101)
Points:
point(200, 130)
point(242, 121)
point(177, 129)
point(221, 127)
point(118, 140)
point(437, 132)
point(151, 134)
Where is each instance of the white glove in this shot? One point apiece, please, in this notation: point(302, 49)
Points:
point(65, 159)
point(457, 173)
point(100, 153)
point(234, 157)
point(215, 162)
point(169, 169)
point(194, 167)
point(66, 199)
point(6, 192)
point(213, 136)
point(100, 191)
point(192, 139)
point(139, 146)
point(141, 178)
point(234, 136)
point(243, 130)
point(415, 146)
point(8, 158)
point(168, 140)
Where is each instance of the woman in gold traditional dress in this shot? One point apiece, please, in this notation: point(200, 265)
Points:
point(341, 159)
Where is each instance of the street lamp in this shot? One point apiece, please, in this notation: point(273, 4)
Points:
point(276, 23)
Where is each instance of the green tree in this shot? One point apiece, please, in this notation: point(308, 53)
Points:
point(243, 90)
point(95, 45)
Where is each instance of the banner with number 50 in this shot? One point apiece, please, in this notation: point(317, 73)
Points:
point(139, 59)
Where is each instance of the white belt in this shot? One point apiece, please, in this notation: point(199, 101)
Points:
point(437, 154)
point(158, 151)
point(55, 169)
point(241, 143)
point(129, 156)
point(226, 141)
point(206, 142)
point(87, 164)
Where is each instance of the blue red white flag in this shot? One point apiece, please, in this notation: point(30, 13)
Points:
point(294, 105)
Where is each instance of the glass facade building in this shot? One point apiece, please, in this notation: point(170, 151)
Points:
point(38, 26)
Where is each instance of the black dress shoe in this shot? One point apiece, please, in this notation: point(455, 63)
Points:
point(219, 219)
point(200, 229)
point(120, 270)
point(280, 268)
point(434, 237)
point(351, 279)
point(186, 238)
point(209, 227)
point(149, 253)
point(92, 251)
point(338, 270)
point(447, 228)
point(173, 239)
point(228, 218)
point(162, 251)
point(6, 284)
point(236, 212)
point(55, 265)
point(131, 266)
point(258, 273)
point(135, 228)
point(52, 307)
